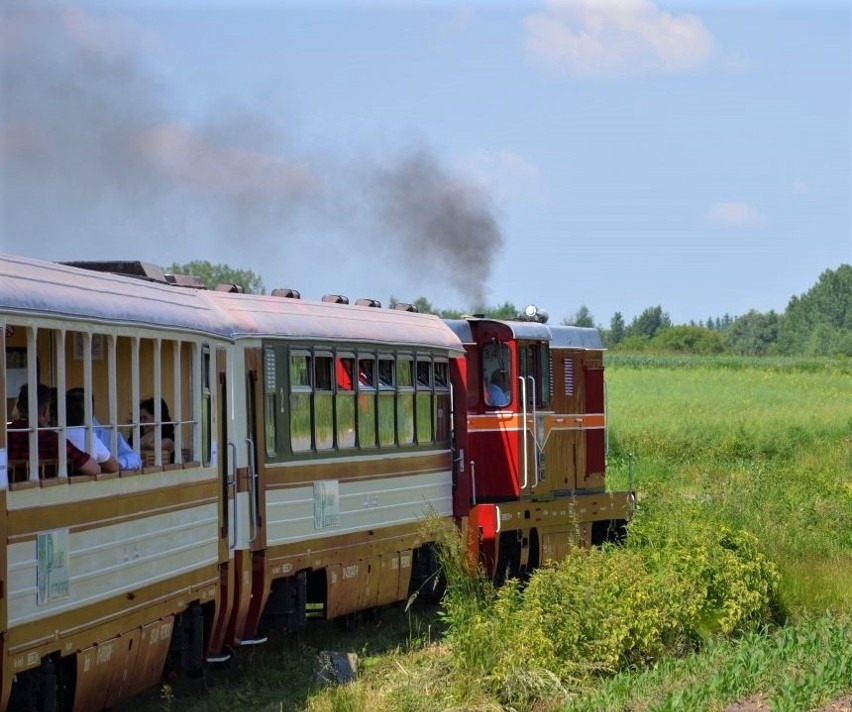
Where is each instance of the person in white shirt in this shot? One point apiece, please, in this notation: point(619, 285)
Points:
point(76, 433)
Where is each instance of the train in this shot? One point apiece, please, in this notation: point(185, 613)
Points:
point(296, 448)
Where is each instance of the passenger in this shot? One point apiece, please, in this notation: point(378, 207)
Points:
point(79, 462)
point(75, 417)
point(497, 393)
point(128, 458)
point(148, 440)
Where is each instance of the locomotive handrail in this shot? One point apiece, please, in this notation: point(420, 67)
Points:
point(535, 431)
point(252, 479)
point(473, 482)
point(524, 416)
point(231, 482)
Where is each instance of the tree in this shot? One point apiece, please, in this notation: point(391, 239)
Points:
point(689, 339)
point(212, 274)
point(583, 317)
point(753, 334)
point(616, 328)
point(649, 323)
point(819, 322)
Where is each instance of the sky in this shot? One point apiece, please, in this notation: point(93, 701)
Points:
point(615, 155)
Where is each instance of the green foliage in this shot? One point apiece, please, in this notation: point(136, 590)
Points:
point(753, 334)
point(820, 321)
point(690, 340)
point(793, 668)
point(649, 323)
point(583, 317)
point(213, 274)
point(611, 609)
point(617, 329)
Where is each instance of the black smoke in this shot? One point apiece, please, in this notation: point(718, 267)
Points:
point(95, 163)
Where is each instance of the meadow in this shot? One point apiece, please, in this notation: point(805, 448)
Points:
point(735, 581)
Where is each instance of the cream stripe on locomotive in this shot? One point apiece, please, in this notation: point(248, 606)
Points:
point(343, 507)
point(101, 562)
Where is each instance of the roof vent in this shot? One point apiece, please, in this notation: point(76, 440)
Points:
point(336, 299)
point(185, 280)
point(403, 306)
point(369, 303)
point(131, 268)
point(232, 288)
point(286, 293)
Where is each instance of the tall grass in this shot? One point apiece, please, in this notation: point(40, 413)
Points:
point(768, 443)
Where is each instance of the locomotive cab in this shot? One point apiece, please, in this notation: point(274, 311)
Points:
point(535, 459)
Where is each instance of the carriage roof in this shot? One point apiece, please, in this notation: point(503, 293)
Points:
point(38, 288)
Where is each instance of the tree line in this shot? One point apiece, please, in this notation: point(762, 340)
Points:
point(816, 323)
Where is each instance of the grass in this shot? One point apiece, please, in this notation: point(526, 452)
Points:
point(744, 474)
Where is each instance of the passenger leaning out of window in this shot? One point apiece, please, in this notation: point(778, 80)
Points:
point(149, 430)
point(79, 462)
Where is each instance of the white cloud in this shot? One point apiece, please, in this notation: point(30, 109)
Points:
point(616, 38)
point(736, 213)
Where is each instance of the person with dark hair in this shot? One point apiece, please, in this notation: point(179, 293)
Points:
point(147, 418)
point(79, 462)
point(75, 419)
point(127, 457)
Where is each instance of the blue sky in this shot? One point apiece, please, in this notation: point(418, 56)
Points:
point(616, 155)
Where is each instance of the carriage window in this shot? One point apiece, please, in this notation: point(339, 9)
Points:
point(206, 406)
point(442, 401)
point(323, 402)
point(423, 398)
point(270, 405)
point(387, 400)
point(405, 400)
point(366, 402)
point(345, 402)
point(300, 401)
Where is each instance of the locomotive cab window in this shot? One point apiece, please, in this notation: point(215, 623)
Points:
point(535, 368)
point(496, 375)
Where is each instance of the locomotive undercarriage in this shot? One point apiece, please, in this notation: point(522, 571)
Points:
point(515, 538)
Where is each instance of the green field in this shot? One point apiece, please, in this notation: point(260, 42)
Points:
point(736, 579)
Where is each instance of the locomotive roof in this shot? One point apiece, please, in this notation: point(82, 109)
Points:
point(564, 337)
point(35, 287)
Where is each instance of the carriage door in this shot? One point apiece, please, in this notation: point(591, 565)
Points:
point(255, 476)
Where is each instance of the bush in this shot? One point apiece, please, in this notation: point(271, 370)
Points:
point(605, 610)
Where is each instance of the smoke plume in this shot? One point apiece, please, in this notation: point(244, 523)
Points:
point(96, 164)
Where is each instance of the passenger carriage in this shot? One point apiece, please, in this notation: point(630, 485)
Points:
point(311, 440)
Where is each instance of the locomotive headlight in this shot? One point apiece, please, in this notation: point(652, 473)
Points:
point(533, 313)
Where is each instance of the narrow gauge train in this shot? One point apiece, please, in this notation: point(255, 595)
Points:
point(306, 442)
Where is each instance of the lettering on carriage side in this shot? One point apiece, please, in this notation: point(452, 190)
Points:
point(370, 501)
point(52, 572)
point(405, 561)
point(326, 504)
point(350, 572)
